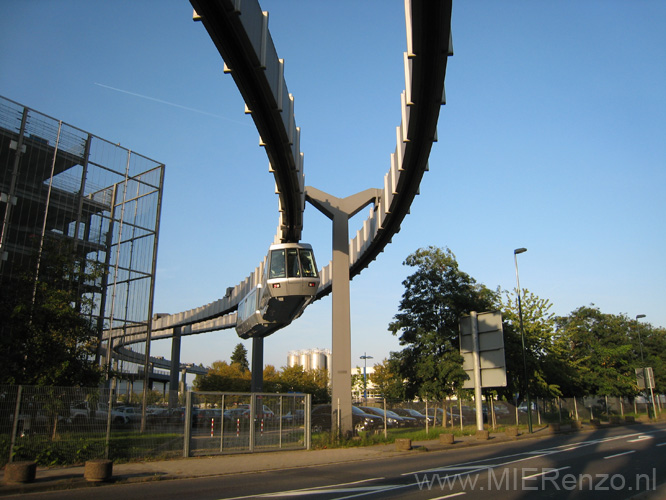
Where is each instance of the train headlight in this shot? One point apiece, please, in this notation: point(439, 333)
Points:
point(276, 285)
point(312, 284)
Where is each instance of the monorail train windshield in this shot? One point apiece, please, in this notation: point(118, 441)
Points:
point(292, 263)
point(289, 283)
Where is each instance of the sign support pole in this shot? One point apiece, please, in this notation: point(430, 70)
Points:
point(477, 371)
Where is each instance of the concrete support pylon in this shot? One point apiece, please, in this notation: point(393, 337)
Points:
point(340, 210)
point(257, 382)
point(174, 372)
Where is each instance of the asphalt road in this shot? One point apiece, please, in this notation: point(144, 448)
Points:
point(612, 464)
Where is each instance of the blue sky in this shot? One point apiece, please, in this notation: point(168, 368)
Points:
point(553, 138)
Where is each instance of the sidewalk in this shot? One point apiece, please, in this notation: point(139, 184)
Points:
point(56, 478)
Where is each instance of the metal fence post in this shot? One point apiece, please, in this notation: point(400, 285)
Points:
point(108, 419)
point(222, 426)
point(15, 423)
point(188, 424)
point(280, 424)
point(252, 416)
point(307, 421)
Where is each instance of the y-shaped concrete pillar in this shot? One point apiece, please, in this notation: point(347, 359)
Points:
point(340, 211)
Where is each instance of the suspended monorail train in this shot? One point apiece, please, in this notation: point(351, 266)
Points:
point(289, 283)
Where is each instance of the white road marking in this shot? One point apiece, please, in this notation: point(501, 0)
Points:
point(642, 437)
point(469, 467)
point(547, 471)
point(306, 490)
point(620, 454)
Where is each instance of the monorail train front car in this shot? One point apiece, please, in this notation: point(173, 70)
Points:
point(289, 284)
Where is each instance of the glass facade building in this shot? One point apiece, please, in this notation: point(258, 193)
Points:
point(59, 184)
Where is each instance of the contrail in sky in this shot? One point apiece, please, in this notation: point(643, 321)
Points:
point(167, 103)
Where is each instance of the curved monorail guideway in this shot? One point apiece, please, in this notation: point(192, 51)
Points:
point(274, 293)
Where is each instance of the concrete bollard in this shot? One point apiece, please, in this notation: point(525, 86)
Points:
point(629, 419)
point(576, 425)
point(615, 420)
point(554, 428)
point(511, 431)
point(446, 438)
point(595, 422)
point(403, 444)
point(98, 470)
point(482, 435)
point(20, 472)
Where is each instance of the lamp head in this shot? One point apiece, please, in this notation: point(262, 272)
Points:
point(639, 316)
point(519, 250)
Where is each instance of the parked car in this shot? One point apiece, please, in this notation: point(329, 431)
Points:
point(523, 406)
point(131, 414)
point(361, 421)
point(233, 414)
point(392, 419)
point(157, 415)
point(176, 415)
point(203, 417)
point(263, 412)
point(405, 420)
point(419, 418)
point(436, 417)
point(35, 418)
point(295, 417)
point(501, 409)
point(85, 413)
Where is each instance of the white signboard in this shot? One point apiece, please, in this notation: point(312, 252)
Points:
point(491, 350)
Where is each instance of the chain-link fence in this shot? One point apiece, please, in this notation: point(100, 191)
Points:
point(67, 425)
point(458, 413)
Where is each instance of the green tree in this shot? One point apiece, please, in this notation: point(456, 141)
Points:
point(224, 377)
point(545, 351)
point(388, 381)
point(654, 351)
point(357, 382)
point(47, 336)
point(314, 382)
point(239, 356)
point(600, 351)
point(435, 298)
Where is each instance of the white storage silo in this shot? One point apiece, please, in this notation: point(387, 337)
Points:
point(318, 359)
point(304, 360)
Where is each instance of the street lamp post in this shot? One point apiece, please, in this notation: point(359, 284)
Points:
point(365, 359)
point(640, 342)
point(645, 379)
point(522, 337)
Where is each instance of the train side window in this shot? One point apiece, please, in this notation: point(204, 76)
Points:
point(292, 263)
point(307, 263)
point(277, 264)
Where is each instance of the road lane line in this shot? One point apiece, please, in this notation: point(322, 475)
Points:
point(661, 444)
point(620, 454)
point(449, 496)
point(528, 455)
point(642, 437)
point(296, 492)
point(547, 471)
